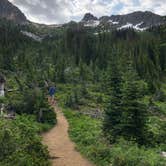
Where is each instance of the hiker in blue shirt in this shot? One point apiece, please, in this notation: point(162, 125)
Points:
point(52, 91)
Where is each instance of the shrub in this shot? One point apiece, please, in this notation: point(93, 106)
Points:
point(48, 116)
point(20, 143)
point(128, 154)
point(87, 134)
point(34, 102)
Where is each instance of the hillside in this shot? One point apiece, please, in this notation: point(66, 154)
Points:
point(11, 12)
point(110, 87)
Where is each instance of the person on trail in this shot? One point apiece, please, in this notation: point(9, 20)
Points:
point(52, 91)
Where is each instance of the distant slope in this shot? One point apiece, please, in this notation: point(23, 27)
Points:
point(137, 20)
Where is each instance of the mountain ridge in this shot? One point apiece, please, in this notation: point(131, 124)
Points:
point(138, 20)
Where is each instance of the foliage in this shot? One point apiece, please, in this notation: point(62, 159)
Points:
point(33, 101)
point(19, 138)
point(20, 143)
point(125, 115)
point(128, 154)
point(134, 115)
point(87, 134)
point(113, 111)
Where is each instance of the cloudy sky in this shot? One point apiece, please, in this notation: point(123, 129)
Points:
point(61, 11)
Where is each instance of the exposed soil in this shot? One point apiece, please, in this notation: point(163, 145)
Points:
point(61, 148)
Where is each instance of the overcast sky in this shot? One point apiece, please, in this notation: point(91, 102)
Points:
point(61, 11)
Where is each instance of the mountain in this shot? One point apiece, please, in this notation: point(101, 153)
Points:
point(138, 20)
point(90, 21)
point(89, 16)
point(11, 12)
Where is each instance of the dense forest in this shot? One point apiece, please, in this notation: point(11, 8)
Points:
point(111, 86)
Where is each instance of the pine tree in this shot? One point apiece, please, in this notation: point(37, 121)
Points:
point(133, 117)
point(113, 110)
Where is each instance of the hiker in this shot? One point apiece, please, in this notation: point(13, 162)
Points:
point(52, 91)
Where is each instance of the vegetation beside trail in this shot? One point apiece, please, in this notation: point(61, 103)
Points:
point(86, 131)
point(20, 142)
point(87, 134)
point(20, 138)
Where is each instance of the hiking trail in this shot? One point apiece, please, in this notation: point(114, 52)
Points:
point(61, 148)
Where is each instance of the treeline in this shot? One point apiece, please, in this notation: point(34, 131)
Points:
point(144, 49)
point(58, 55)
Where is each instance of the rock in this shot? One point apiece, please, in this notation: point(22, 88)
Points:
point(163, 154)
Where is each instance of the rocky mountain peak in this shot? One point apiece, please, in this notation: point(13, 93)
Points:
point(11, 12)
point(89, 17)
point(138, 20)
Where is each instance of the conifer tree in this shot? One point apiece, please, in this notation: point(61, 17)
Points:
point(113, 111)
point(133, 117)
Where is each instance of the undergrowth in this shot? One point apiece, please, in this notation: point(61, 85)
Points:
point(87, 134)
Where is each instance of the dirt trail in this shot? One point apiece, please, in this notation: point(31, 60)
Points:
point(62, 149)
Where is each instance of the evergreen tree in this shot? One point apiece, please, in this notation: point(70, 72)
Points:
point(133, 117)
point(113, 110)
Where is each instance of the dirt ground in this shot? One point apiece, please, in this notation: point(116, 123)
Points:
point(61, 148)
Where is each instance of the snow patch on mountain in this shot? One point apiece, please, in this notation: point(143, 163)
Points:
point(32, 35)
point(113, 22)
point(130, 25)
point(137, 27)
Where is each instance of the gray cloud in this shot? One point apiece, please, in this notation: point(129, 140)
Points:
point(61, 11)
point(47, 11)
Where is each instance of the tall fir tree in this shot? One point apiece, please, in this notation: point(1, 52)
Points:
point(133, 117)
point(111, 124)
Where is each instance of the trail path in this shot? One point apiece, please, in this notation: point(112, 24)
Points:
point(61, 148)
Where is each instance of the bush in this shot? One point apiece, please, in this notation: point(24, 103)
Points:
point(3, 100)
point(72, 99)
point(49, 116)
point(34, 102)
point(128, 154)
point(20, 143)
point(160, 96)
point(87, 134)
